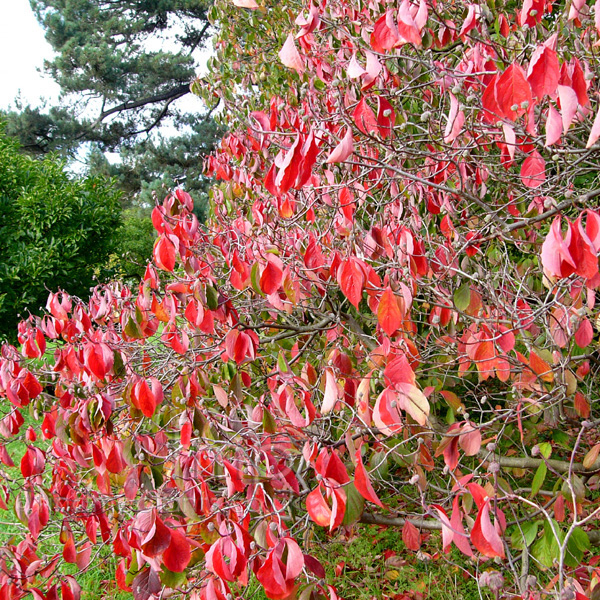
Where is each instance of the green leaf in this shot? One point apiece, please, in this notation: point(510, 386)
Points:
point(212, 297)
point(546, 548)
point(132, 330)
point(545, 449)
point(527, 532)
point(538, 479)
point(578, 544)
point(355, 505)
point(462, 297)
point(170, 579)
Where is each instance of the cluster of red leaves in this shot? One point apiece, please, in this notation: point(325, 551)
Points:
point(270, 362)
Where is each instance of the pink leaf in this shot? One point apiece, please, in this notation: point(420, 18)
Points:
point(456, 120)
point(290, 57)
point(373, 68)
point(533, 171)
point(343, 150)
point(354, 70)
point(470, 439)
point(568, 105)
point(595, 132)
point(553, 126)
point(331, 393)
point(511, 140)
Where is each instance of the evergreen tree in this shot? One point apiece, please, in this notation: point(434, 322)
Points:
point(124, 68)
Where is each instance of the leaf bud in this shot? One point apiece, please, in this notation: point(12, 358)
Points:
point(252, 545)
point(556, 157)
point(456, 89)
point(273, 526)
point(211, 527)
point(494, 467)
point(393, 403)
point(533, 12)
point(525, 104)
point(535, 450)
point(387, 113)
point(414, 479)
point(586, 424)
point(514, 107)
point(569, 194)
point(491, 447)
point(426, 116)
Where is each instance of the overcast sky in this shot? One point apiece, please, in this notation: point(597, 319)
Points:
point(22, 51)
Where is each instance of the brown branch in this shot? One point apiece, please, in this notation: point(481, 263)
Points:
point(172, 94)
point(431, 525)
point(560, 466)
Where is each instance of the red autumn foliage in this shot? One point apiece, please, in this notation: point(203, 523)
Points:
point(390, 318)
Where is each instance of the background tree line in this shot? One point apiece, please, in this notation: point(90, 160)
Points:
point(125, 69)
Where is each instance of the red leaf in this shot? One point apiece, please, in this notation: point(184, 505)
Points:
point(152, 534)
point(513, 91)
point(271, 277)
point(584, 334)
point(145, 398)
point(489, 102)
point(352, 281)
point(178, 554)
point(582, 405)
point(364, 118)
point(385, 34)
point(83, 557)
point(411, 536)
point(343, 150)
point(388, 312)
point(533, 170)
point(456, 120)
point(164, 253)
point(543, 72)
point(363, 484)
point(484, 535)
point(398, 370)
point(186, 434)
point(317, 507)
point(386, 414)
point(386, 117)
point(354, 70)
point(69, 550)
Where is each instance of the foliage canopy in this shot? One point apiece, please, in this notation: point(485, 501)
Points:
point(56, 231)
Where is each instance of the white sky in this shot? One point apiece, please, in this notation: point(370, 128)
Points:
point(22, 52)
